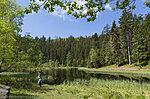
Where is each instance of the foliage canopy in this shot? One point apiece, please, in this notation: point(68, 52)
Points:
point(81, 8)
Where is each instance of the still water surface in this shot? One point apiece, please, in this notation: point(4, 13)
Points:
point(58, 76)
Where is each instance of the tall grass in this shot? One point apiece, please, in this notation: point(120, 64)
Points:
point(111, 89)
point(145, 73)
point(94, 88)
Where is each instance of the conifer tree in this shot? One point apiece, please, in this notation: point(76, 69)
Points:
point(125, 31)
point(114, 43)
point(137, 41)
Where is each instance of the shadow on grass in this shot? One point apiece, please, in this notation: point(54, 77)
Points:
point(44, 88)
point(22, 96)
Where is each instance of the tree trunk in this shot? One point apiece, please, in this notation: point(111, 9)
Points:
point(138, 61)
point(129, 54)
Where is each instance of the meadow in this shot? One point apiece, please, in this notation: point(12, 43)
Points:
point(24, 85)
point(93, 89)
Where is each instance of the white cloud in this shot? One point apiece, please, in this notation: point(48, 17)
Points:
point(59, 12)
point(39, 2)
point(63, 13)
point(107, 6)
point(85, 11)
point(81, 2)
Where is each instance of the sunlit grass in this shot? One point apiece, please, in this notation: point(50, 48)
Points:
point(13, 73)
point(94, 88)
point(145, 73)
point(22, 86)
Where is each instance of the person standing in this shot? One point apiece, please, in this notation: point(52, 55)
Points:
point(40, 80)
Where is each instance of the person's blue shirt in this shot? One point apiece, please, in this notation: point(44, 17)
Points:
point(40, 79)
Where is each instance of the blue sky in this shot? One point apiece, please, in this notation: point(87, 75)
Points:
point(59, 24)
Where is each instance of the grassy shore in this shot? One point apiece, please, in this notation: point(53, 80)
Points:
point(93, 89)
point(124, 70)
point(24, 86)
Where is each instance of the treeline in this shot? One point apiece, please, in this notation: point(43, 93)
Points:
point(128, 43)
point(125, 43)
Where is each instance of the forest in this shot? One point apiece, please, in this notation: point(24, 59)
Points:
point(28, 65)
point(124, 42)
point(128, 43)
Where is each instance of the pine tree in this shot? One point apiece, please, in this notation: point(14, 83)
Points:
point(125, 35)
point(137, 41)
point(69, 59)
point(146, 35)
point(93, 58)
point(104, 56)
point(114, 43)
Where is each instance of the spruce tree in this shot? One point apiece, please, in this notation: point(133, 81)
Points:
point(125, 32)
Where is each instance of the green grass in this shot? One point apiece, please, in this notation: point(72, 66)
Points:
point(13, 73)
point(78, 89)
point(93, 89)
point(145, 73)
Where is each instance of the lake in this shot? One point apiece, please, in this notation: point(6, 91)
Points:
point(58, 76)
point(74, 82)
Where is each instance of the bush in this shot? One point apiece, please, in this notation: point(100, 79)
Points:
point(137, 64)
point(149, 62)
point(123, 62)
point(144, 63)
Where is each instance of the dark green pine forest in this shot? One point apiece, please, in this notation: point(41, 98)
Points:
point(128, 43)
point(123, 42)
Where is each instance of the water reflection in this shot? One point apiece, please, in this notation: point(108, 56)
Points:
point(58, 76)
point(61, 75)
